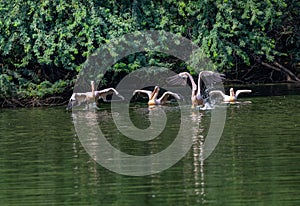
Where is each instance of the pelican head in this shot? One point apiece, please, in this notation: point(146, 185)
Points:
point(154, 93)
point(93, 86)
point(72, 102)
point(156, 89)
point(231, 92)
point(70, 105)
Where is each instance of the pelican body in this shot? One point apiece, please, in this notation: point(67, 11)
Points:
point(233, 96)
point(152, 95)
point(197, 97)
point(78, 99)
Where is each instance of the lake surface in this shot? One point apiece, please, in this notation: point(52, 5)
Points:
point(256, 162)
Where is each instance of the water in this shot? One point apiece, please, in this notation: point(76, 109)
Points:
point(42, 161)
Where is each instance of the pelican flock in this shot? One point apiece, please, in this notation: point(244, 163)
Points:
point(152, 95)
point(199, 97)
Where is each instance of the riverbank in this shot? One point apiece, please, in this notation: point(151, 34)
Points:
point(63, 99)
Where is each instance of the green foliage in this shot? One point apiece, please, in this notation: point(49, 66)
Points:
point(237, 30)
point(43, 89)
point(287, 35)
point(44, 43)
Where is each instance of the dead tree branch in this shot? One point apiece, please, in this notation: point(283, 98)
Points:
point(278, 67)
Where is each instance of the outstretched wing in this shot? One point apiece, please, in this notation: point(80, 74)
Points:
point(177, 80)
point(163, 99)
point(207, 79)
point(103, 93)
point(78, 96)
point(217, 95)
point(242, 91)
point(210, 77)
point(217, 92)
point(141, 91)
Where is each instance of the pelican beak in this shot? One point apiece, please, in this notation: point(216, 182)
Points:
point(123, 98)
point(71, 104)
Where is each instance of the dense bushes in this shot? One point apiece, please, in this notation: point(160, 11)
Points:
point(43, 43)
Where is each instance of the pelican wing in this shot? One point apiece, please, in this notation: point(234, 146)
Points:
point(210, 77)
point(226, 98)
point(78, 96)
point(177, 80)
point(141, 91)
point(217, 92)
point(242, 91)
point(166, 95)
point(104, 92)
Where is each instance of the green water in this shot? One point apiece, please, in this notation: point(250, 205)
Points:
point(257, 160)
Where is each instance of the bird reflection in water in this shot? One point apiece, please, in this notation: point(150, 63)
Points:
point(198, 153)
point(88, 120)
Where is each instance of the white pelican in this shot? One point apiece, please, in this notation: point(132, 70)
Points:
point(197, 97)
point(91, 97)
point(232, 97)
point(153, 96)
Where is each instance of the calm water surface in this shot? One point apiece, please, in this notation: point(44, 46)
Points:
point(257, 161)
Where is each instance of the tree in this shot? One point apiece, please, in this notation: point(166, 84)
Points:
point(43, 44)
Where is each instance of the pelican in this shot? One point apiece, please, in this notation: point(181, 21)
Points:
point(232, 97)
point(197, 97)
point(153, 96)
point(91, 97)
